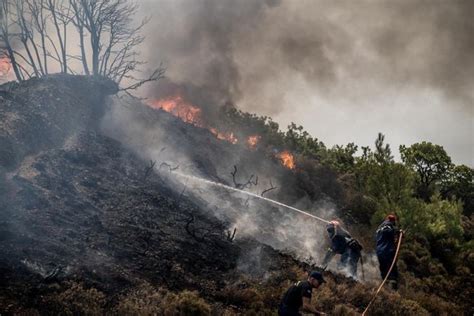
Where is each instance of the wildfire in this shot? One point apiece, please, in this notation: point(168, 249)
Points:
point(224, 136)
point(5, 66)
point(180, 108)
point(189, 113)
point(252, 141)
point(287, 159)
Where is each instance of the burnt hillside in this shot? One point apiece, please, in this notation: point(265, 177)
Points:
point(78, 206)
point(89, 225)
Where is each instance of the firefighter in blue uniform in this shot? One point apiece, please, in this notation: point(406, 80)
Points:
point(343, 244)
point(386, 237)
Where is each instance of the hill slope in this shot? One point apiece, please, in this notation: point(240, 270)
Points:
point(89, 226)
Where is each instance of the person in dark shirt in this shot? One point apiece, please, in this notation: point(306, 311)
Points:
point(298, 296)
point(343, 244)
point(386, 237)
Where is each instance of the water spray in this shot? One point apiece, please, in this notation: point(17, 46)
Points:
point(217, 184)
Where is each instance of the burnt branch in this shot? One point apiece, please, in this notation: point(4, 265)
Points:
point(202, 231)
point(165, 164)
point(155, 76)
point(269, 189)
point(191, 229)
point(231, 235)
point(149, 169)
point(251, 181)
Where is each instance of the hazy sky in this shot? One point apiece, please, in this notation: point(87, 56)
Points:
point(345, 70)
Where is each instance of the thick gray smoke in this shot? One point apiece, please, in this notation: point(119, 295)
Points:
point(326, 64)
point(228, 46)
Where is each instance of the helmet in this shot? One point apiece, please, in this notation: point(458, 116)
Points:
point(331, 227)
point(391, 217)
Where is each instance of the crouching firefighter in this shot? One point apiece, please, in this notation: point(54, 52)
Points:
point(343, 244)
point(386, 237)
point(298, 296)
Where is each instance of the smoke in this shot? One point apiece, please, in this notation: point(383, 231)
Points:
point(296, 60)
point(228, 47)
point(165, 139)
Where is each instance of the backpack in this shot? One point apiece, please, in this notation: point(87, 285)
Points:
point(354, 245)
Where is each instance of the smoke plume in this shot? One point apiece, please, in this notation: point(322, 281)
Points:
point(296, 60)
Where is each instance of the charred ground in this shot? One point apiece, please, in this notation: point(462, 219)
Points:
point(78, 206)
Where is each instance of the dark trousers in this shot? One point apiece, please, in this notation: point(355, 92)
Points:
point(350, 258)
point(284, 310)
point(385, 261)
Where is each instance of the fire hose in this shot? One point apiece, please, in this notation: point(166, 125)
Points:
point(386, 276)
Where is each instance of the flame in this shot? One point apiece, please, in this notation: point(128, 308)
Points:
point(252, 141)
point(189, 113)
point(224, 136)
point(5, 66)
point(287, 159)
point(180, 108)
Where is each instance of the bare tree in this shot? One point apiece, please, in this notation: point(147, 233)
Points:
point(24, 21)
point(113, 39)
point(39, 19)
point(78, 21)
point(6, 37)
point(61, 14)
point(112, 50)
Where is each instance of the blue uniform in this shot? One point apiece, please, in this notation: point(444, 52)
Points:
point(342, 243)
point(385, 246)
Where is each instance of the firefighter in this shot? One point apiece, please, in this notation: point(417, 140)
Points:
point(386, 237)
point(298, 296)
point(343, 244)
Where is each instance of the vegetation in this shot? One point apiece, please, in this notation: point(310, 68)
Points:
point(35, 37)
point(432, 197)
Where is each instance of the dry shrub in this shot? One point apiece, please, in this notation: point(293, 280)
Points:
point(393, 304)
point(323, 297)
point(259, 309)
point(357, 294)
point(143, 300)
point(233, 295)
point(185, 303)
point(436, 305)
point(343, 310)
point(147, 300)
point(26, 312)
point(76, 300)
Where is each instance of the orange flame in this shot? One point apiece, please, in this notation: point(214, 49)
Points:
point(252, 141)
point(5, 66)
point(287, 159)
point(224, 136)
point(180, 108)
point(188, 113)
